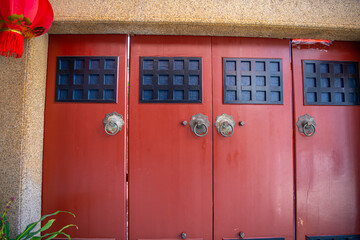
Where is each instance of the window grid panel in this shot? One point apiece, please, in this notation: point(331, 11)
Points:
point(175, 80)
point(331, 83)
point(257, 81)
point(334, 237)
point(87, 79)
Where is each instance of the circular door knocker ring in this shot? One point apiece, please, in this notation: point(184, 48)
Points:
point(199, 125)
point(113, 123)
point(309, 129)
point(224, 129)
point(306, 124)
point(111, 128)
point(225, 125)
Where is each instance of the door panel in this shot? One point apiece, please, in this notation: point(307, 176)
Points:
point(253, 168)
point(84, 168)
point(327, 164)
point(170, 169)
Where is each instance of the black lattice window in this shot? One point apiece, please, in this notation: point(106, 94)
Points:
point(86, 79)
point(331, 83)
point(170, 80)
point(336, 237)
point(252, 81)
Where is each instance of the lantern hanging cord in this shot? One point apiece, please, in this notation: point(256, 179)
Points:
point(10, 30)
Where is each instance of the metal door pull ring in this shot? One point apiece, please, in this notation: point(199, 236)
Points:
point(306, 124)
point(113, 123)
point(222, 124)
point(311, 132)
point(197, 126)
point(223, 127)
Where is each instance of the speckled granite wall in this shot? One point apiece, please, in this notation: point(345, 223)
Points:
point(321, 19)
point(22, 96)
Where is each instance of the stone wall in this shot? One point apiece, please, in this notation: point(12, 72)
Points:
point(22, 96)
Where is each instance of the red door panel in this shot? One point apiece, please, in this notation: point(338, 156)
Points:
point(170, 169)
point(327, 164)
point(253, 169)
point(84, 168)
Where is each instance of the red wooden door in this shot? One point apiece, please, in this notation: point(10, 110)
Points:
point(327, 164)
point(84, 168)
point(170, 169)
point(253, 168)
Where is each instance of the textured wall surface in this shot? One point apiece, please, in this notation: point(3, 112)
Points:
point(321, 19)
point(12, 73)
point(22, 96)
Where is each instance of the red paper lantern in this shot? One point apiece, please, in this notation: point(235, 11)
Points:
point(21, 19)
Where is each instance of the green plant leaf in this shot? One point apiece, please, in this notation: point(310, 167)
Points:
point(45, 227)
point(67, 226)
point(31, 226)
point(6, 228)
point(54, 235)
point(36, 238)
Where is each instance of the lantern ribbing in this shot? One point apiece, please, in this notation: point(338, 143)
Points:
point(22, 19)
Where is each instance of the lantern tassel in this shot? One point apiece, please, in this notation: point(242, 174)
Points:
point(11, 43)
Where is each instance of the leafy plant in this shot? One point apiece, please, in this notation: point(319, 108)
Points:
point(29, 232)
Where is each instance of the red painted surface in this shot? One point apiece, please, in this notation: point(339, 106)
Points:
point(170, 169)
point(84, 168)
point(210, 187)
point(253, 169)
point(327, 164)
